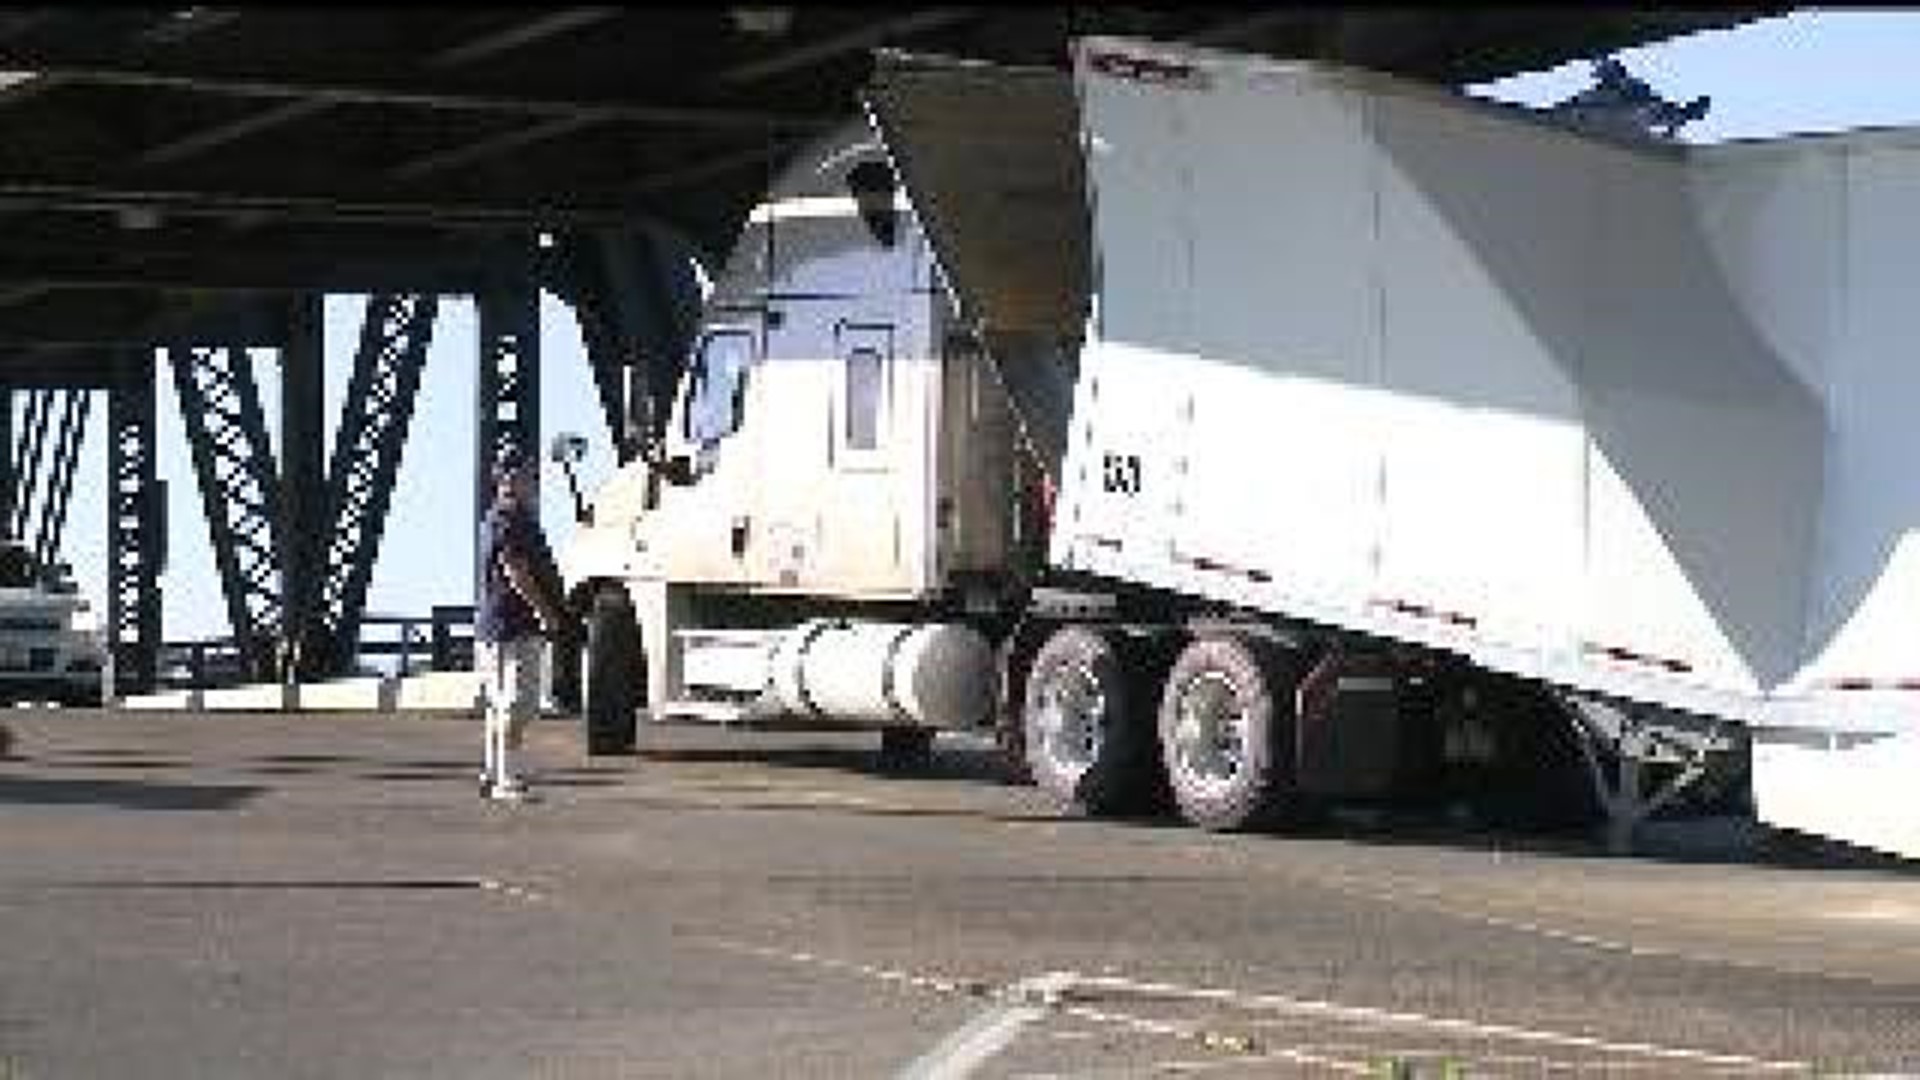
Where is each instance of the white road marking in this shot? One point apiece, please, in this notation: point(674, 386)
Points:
point(1070, 993)
point(1884, 911)
point(1362, 1014)
point(1229, 1055)
point(507, 888)
point(960, 1053)
point(935, 983)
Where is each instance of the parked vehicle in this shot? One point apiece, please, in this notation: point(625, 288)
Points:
point(50, 643)
point(1253, 435)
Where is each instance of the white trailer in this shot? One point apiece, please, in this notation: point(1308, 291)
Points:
point(1382, 442)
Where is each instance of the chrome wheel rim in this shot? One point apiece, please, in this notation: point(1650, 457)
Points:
point(1210, 730)
point(1071, 706)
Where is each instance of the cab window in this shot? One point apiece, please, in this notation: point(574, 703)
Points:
point(864, 387)
point(717, 393)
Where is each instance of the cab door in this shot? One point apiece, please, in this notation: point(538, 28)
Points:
point(873, 459)
point(702, 527)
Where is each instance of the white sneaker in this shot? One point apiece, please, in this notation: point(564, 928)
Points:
point(511, 789)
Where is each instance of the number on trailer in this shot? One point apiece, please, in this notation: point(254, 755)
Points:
point(1120, 473)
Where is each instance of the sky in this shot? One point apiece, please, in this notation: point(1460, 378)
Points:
point(1807, 72)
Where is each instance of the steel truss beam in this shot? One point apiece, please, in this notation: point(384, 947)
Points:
point(239, 490)
point(367, 450)
point(136, 517)
point(66, 458)
point(548, 25)
point(7, 470)
point(269, 85)
point(57, 458)
point(88, 324)
point(34, 419)
point(875, 32)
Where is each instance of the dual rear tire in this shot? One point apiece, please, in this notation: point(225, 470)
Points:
point(1114, 724)
point(1087, 715)
point(1227, 731)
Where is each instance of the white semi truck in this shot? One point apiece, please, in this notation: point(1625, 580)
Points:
point(1260, 434)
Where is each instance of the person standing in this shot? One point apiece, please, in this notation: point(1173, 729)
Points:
point(515, 606)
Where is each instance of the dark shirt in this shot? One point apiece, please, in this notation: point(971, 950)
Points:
point(501, 613)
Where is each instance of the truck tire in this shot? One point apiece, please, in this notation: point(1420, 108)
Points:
point(1226, 730)
point(616, 677)
point(1088, 730)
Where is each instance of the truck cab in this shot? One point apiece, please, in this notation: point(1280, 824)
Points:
point(50, 642)
point(837, 448)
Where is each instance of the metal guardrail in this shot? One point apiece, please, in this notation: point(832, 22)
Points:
point(441, 641)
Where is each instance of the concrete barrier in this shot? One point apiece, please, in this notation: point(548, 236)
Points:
point(440, 691)
point(184, 700)
point(258, 697)
point(367, 693)
point(435, 691)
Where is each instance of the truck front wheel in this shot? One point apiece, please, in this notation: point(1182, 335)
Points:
point(1089, 742)
point(616, 675)
point(1226, 731)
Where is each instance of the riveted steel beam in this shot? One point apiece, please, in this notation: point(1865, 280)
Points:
point(136, 524)
point(509, 383)
point(270, 86)
point(60, 470)
point(37, 414)
point(303, 485)
point(545, 26)
point(367, 450)
point(233, 461)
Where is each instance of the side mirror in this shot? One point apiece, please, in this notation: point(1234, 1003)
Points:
point(568, 448)
point(677, 470)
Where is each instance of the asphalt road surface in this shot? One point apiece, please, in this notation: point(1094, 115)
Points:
point(325, 896)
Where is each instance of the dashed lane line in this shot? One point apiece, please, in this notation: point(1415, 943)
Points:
point(1438, 1025)
point(1082, 996)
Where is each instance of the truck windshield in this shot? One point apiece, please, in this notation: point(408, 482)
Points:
point(715, 398)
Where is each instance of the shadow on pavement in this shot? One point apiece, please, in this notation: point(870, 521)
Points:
point(944, 764)
point(1705, 842)
point(307, 759)
point(127, 794)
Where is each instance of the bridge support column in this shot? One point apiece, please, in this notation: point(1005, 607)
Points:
point(136, 525)
point(509, 383)
point(302, 485)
